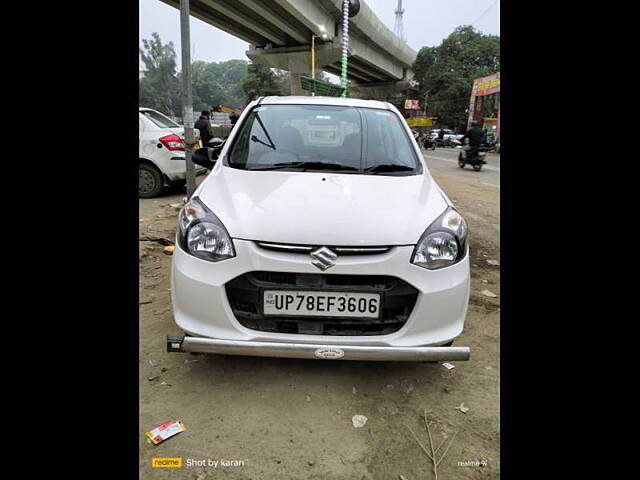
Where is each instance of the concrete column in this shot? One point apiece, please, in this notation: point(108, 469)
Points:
point(296, 89)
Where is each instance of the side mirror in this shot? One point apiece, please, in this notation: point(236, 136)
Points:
point(205, 157)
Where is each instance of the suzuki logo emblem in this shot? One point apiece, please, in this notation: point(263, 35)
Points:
point(323, 258)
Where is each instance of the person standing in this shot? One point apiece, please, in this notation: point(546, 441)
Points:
point(204, 126)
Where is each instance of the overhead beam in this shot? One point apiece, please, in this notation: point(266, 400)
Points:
point(269, 15)
point(336, 70)
point(375, 75)
point(369, 25)
point(233, 28)
point(368, 54)
point(252, 23)
point(311, 15)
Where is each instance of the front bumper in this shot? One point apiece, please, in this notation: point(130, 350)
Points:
point(313, 351)
point(201, 308)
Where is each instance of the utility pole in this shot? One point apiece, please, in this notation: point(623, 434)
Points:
point(187, 103)
point(313, 63)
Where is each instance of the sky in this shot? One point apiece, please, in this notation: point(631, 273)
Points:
point(426, 23)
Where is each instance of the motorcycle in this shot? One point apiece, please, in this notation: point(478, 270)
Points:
point(428, 143)
point(473, 156)
point(439, 142)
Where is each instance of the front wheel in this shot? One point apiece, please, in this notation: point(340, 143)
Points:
point(477, 167)
point(150, 182)
point(461, 162)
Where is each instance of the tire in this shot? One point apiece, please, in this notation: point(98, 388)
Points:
point(461, 162)
point(150, 181)
point(477, 167)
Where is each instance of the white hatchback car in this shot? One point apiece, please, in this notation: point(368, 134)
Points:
point(320, 233)
point(161, 159)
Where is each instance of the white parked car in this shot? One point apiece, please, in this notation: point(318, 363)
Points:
point(448, 134)
point(161, 159)
point(320, 233)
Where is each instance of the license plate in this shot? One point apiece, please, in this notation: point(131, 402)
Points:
point(321, 304)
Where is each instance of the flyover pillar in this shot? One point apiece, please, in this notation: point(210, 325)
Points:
point(296, 87)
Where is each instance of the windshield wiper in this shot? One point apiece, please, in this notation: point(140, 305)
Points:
point(388, 167)
point(256, 139)
point(309, 166)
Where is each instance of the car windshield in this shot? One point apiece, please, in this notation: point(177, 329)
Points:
point(159, 119)
point(324, 138)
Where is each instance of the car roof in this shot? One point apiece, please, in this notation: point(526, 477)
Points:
point(320, 100)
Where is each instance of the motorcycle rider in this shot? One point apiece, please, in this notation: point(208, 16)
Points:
point(475, 136)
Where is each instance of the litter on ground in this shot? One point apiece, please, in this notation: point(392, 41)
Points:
point(358, 421)
point(165, 430)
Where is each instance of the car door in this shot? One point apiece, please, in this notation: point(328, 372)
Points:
point(140, 134)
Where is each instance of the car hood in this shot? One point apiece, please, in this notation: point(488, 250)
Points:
point(312, 208)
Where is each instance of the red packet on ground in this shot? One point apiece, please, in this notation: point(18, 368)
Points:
point(166, 430)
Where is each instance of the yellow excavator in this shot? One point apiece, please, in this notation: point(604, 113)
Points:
point(225, 109)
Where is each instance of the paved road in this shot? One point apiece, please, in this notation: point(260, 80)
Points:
point(446, 161)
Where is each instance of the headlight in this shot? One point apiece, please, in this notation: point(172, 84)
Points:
point(443, 243)
point(202, 234)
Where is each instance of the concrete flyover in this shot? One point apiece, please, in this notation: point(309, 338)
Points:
point(279, 34)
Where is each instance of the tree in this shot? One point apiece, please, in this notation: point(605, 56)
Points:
point(260, 81)
point(446, 72)
point(218, 83)
point(159, 88)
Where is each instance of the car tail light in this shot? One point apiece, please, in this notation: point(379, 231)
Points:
point(173, 142)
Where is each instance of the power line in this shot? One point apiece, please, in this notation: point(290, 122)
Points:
point(483, 13)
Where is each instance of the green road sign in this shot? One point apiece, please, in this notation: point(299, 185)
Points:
point(321, 88)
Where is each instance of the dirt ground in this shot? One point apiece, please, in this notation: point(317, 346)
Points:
point(284, 418)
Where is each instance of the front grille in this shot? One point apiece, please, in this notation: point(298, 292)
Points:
point(281, 247)
point(245, 297)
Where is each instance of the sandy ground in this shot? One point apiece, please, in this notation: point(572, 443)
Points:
point(283, 418)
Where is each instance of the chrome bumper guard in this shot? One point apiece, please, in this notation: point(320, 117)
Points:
point(184, 343)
